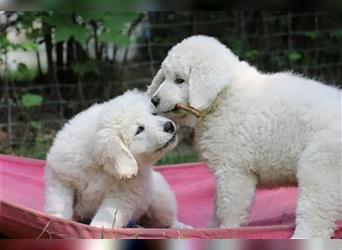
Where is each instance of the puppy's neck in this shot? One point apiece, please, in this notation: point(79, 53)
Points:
point(146, 161)
point(191, 121)
point(242, 72)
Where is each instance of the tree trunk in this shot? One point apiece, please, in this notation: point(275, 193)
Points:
point(55, 91)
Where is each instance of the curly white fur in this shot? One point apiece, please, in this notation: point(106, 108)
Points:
point(257, 129)
point(99, 169)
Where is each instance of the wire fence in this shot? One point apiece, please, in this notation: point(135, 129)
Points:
point(306, 43)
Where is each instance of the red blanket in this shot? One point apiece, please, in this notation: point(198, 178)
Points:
point(22, 199)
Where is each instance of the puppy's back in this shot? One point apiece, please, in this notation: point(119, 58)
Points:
point(310, 97)
point(72, 144)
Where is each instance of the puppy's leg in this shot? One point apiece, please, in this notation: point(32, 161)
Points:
point(319, 180)
point(59, 198)
point(113, 213)
point(162, 210)
point(234, 196)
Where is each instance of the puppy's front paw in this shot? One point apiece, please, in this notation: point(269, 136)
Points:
point(126, 172)
point(229, 224)
point(180, 225)
point(122, 172)
point(296, 238)
point(301, 236)
point(101, 224)
point(106, 221)
point(59, 215)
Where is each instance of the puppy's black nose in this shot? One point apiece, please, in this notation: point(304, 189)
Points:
point(155, 100)
point(169, 128)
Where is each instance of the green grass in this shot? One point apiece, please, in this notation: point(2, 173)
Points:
point(36, 150)
point(178, 156)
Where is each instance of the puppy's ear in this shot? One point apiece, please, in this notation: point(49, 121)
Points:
point(205, 83)
point(157, 80)
point(113, 154)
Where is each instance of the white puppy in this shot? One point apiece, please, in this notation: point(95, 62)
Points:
point(99, 166)
point(257, 129)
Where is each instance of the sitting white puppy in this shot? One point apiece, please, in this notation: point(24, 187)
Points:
point(99, 166)
point(257, 129)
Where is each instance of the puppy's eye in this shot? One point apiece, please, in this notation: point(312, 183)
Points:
point(179, 80)
point(154, 113)
point(139, 130)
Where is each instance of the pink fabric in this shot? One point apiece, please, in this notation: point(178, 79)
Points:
point(22, 199)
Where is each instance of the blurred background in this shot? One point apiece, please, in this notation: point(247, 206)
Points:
point(55, 64)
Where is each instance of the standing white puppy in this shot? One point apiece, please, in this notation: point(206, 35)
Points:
point(99, 166)
point(257, 129)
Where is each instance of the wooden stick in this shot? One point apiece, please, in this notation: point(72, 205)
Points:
point(189, 109)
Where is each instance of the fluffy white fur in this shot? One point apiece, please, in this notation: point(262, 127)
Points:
point(99, 169)
point(257, 129)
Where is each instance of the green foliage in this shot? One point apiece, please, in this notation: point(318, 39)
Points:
point(294, 56)
point(65, 27)
point(28, 46)
point(236, 44)
point(36, 125)
point(115, 28)
point(104, 27)
point(278, 60)
point(90, 65)
point(252, 55)
point(4, 43)
point(336, 33)
point(108, 26)
point(312, 34)
point(63, 33)
point(31, 100)
point(22, 73)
